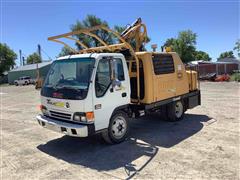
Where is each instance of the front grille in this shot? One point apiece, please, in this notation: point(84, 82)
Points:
point(60, 115)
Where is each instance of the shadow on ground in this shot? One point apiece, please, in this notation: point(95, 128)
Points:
point(147, 134)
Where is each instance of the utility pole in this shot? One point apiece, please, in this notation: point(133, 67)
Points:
point(39, 51)
point(37, 69)
point(23, 61)
point(20, 57)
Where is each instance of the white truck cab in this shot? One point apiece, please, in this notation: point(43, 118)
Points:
point(87, 93)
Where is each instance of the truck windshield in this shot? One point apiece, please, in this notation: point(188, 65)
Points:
point(69, 78)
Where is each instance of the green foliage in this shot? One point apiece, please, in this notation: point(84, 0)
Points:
point(235, 77)
point(227, 54)
point(171, 42)
point(65, 51)
point(33, 58)
point(184, 45)
point(237, 47)
point(88, 22)
point(7, 58)
point(119, 29)
point(201, 55)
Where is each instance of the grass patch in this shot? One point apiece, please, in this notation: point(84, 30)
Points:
point(235, 77)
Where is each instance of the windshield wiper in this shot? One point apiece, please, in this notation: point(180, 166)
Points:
point(66, 87)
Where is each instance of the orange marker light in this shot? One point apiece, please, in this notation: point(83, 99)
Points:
point(90, 116)
point(40, 107)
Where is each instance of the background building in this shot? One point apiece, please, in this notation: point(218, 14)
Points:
point(222, 66)
point(29, 70)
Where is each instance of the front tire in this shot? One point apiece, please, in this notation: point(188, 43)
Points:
point(118, 128)
point(175, 111)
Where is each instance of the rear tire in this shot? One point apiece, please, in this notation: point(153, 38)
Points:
point(175, 111)
point(118, 128)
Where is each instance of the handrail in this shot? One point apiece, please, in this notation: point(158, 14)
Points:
point(69, 47)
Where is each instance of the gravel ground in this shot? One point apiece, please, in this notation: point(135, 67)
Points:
point(204, 145)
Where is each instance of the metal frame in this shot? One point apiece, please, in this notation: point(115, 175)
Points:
point(132, 32)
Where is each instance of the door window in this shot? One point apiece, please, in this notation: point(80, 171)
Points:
point(119, 72)
point(102, 79)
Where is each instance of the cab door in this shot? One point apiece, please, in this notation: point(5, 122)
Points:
point(107, 97)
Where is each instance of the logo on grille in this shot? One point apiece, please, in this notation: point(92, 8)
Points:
point(67, 105)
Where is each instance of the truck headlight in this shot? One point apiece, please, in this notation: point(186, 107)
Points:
point(87, 117)
point(77, 117)
point(43, 109)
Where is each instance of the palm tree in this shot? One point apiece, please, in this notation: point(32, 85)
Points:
point(88, 22)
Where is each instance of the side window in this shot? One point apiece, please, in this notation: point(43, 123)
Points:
point(102, 79)
point(162, 64)
point(119, 72)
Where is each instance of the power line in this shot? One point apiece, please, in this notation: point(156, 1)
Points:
point(46, 54)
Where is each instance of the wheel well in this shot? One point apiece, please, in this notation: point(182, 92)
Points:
point(124, 108)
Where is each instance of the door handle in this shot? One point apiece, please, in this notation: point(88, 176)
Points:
point(124, 94)
point(111, 90)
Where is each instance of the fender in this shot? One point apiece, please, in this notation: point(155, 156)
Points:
point(125, 108)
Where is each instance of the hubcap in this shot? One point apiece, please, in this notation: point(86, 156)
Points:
point(118, 127)
point(178, 109)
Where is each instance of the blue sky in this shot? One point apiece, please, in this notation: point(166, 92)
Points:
point(24, 24)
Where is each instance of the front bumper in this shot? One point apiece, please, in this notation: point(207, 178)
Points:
point(67, 128)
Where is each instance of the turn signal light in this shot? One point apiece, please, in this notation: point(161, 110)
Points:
point(90, 116)
point(41, 107)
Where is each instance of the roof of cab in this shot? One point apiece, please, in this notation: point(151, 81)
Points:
point(93, 55)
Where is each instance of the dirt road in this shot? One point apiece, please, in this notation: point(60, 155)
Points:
point(204, 145)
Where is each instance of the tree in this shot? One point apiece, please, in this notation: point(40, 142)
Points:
point(65, 51)
point(88, 22)
point(201, 55)
point(184, 45)
point(171, 42)
point(119, 29)
point(7, 58)
point(227, 54)
point(237, 47)
point(33, 58)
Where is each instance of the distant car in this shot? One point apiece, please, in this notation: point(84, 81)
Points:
point(25, 80)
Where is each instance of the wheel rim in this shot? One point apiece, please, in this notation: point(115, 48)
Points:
point(119, 127)
point(178, 109)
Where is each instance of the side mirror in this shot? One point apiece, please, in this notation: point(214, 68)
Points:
point(116, 83)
